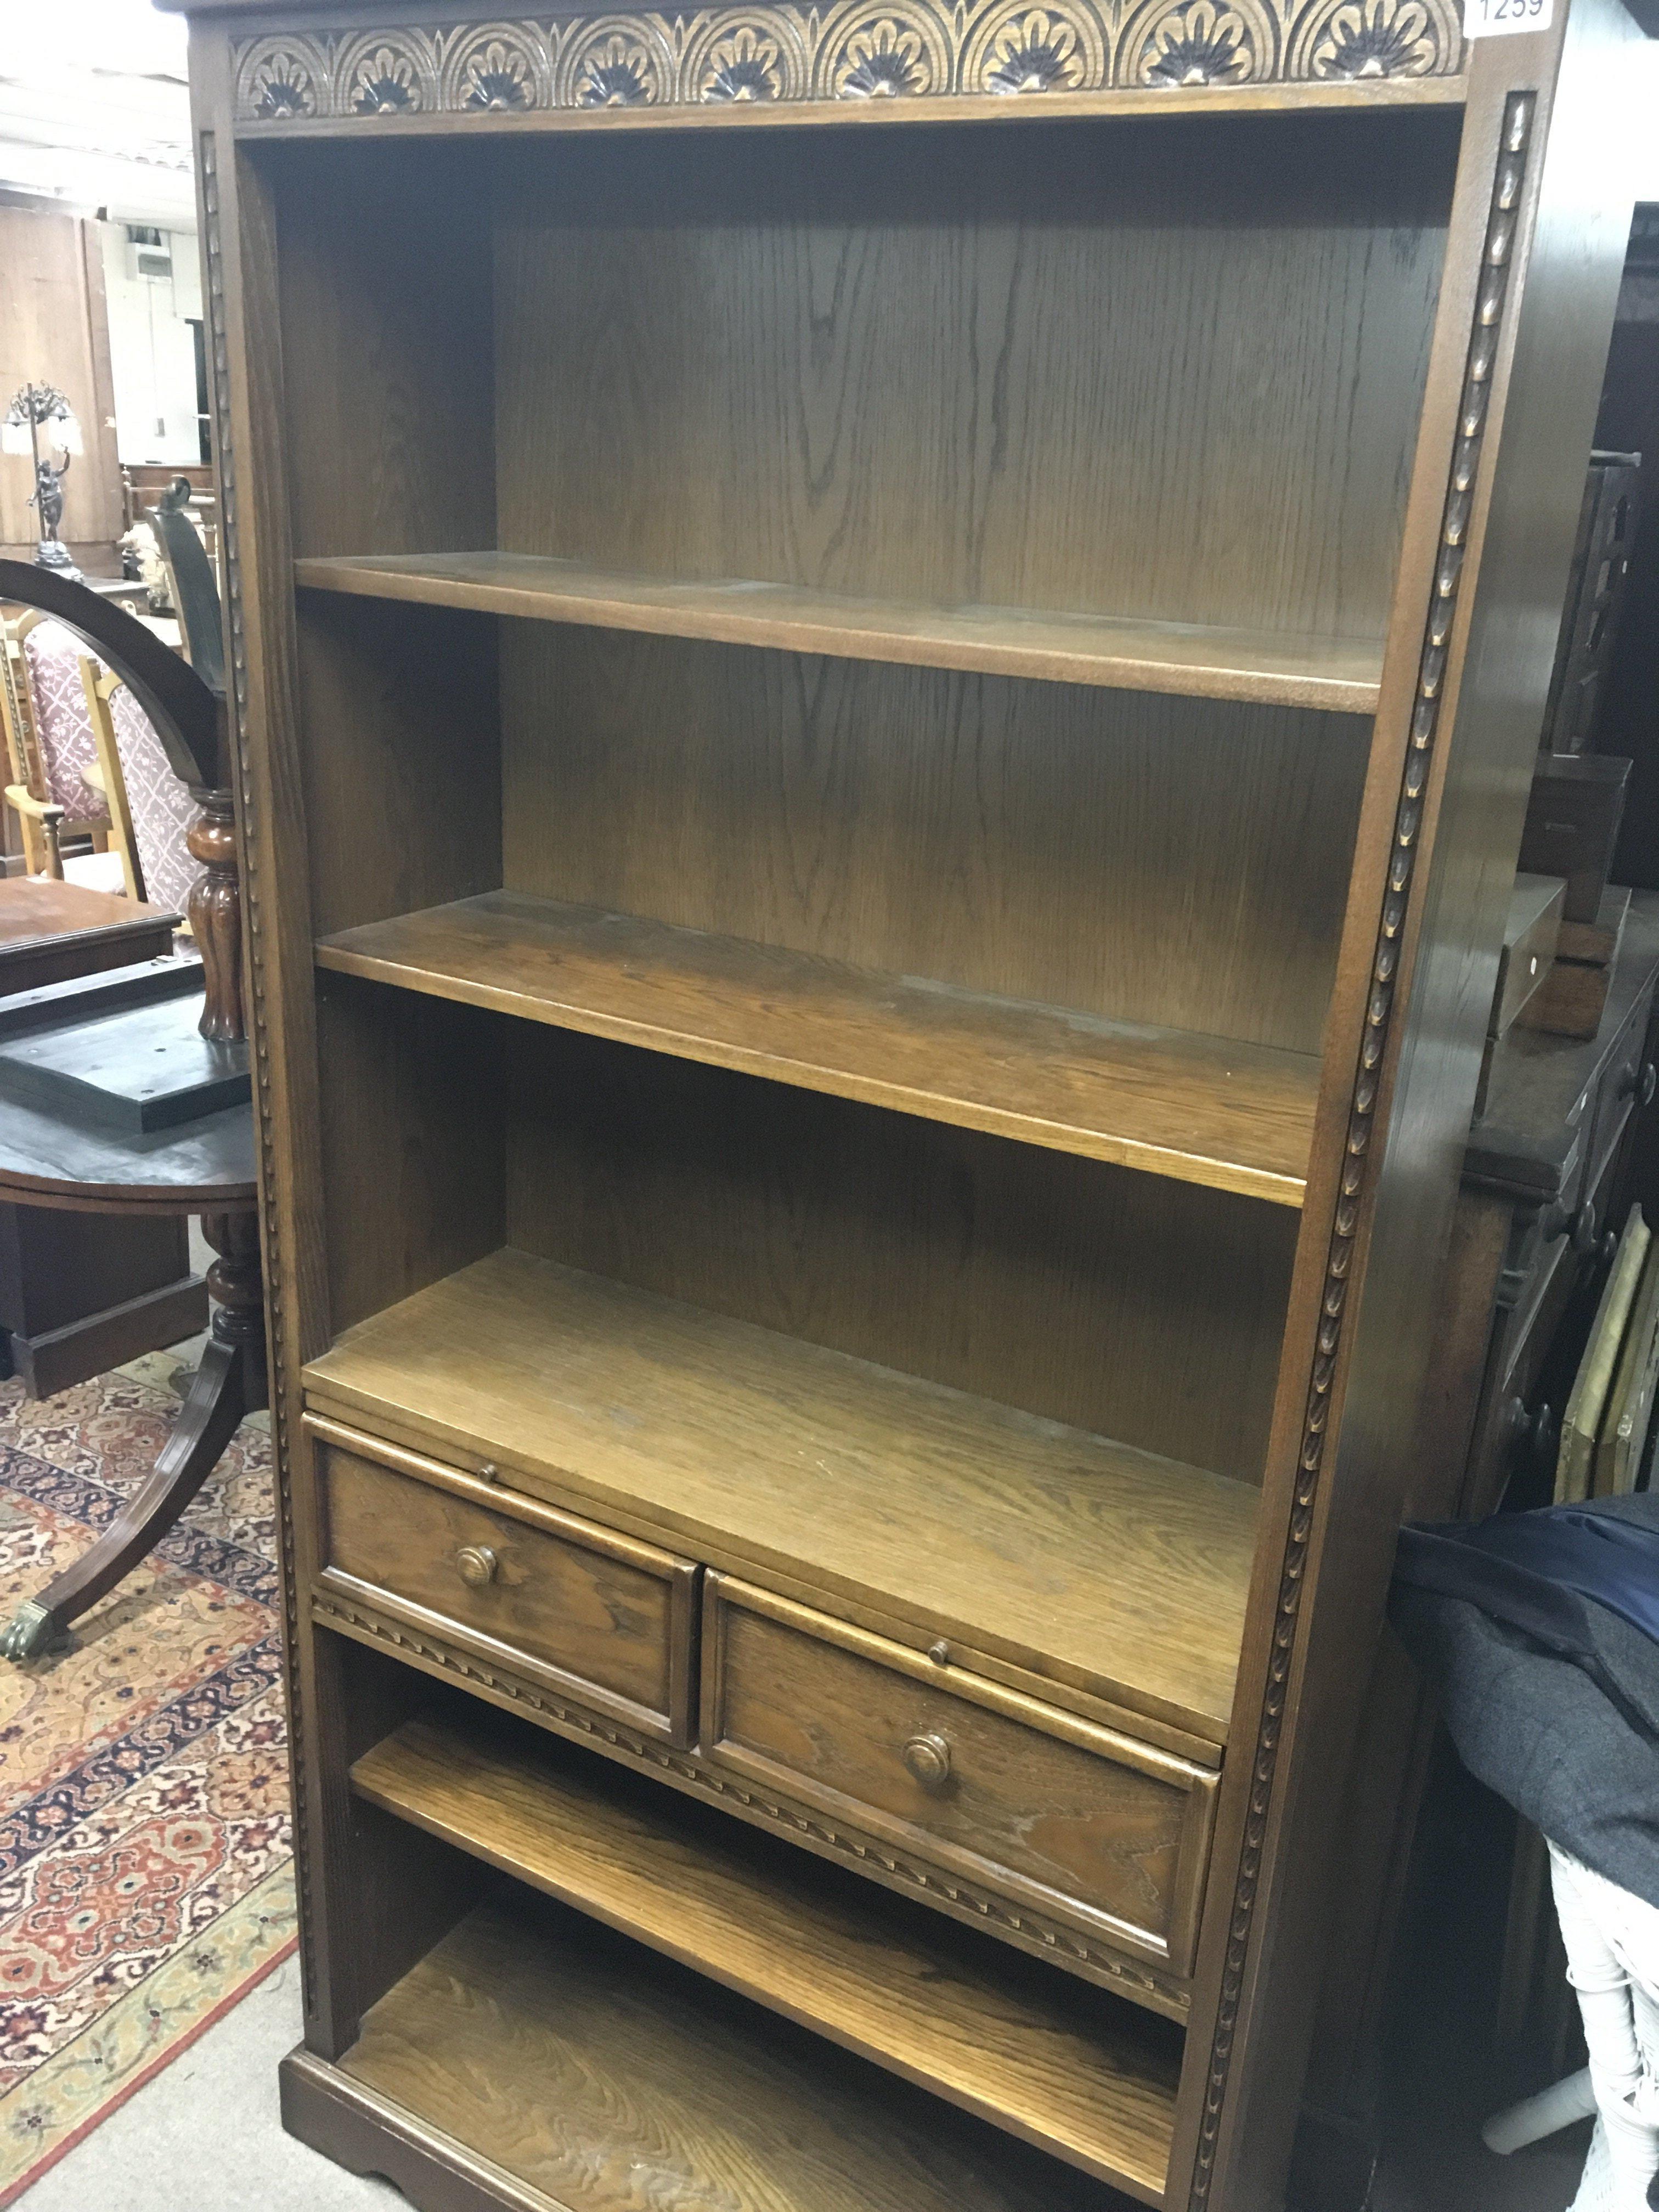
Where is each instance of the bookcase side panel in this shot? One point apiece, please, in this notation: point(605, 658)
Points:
point(238, 251)
point(1531, 278)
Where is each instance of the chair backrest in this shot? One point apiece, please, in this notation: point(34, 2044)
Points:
point(22, 761)
point(61, 722)
point(151, 809)
point(195, 587)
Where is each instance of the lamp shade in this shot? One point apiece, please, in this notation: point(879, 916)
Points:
point(14, 437)
point(63, 432)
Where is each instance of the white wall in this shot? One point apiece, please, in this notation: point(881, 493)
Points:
point(152, 353)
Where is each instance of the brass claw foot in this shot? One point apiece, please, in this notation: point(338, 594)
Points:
point(31, 1631)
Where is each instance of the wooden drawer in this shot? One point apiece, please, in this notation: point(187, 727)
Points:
point(1089, 1827)
point(598, 1617)
point(1623, 1083)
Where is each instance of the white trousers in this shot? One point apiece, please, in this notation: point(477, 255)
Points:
point(1612, 1942)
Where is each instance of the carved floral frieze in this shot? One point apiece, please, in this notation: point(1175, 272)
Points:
point(861, 49)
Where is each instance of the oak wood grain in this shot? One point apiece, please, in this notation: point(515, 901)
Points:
point(1089, 1827)
point(409, 1143)
point(1116, 1571)
point(974, 367)
point(1002, 1269)
point(1338, 674)
point(611, 1619)
point(613, 2080)
point(399, 728)
point(370, 372)
point(1178, 862)
point(1202, 1109)
point(1072, 2072)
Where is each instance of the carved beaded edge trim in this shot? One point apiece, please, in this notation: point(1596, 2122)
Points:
point(253, 914)
point(1357, 1167)
point(857, 51)
point(355, 1619)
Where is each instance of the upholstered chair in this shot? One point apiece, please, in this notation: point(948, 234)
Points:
point(55, 744)
point(150, 809)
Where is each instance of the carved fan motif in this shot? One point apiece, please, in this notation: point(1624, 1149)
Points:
point(876, 51)
point(494, 66)
point(1199, 43)
point(1038, 55)
point(384, 82)
point(617, 76)
point(1376, 37)
point(887, 50)
point(278, 80)
point(1019, 51)
point(746, 65)
point(882, 62)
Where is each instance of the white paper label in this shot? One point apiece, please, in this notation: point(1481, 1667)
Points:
point(1492, 19)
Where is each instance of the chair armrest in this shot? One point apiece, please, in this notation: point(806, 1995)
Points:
point(39, 810)
point(48, 814)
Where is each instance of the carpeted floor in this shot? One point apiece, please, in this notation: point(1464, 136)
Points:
point(145, 1880)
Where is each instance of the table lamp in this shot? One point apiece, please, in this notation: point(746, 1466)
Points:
point(39, 416)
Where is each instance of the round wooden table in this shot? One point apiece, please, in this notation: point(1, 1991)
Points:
point(123, 1148)
point(205, 1167)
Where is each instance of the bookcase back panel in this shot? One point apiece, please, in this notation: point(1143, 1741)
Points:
point(412, 1134)
point(399, 736)
point(1145, 1309)
point(1159, 860)
point(385, 300)
point(1165, 368)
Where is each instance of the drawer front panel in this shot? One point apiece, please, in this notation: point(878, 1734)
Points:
point(609, 1619)
point(1110, 1836)
point(1621, 1084)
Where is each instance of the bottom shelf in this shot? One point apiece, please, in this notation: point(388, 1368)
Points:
point(597, 2077)
point(1069, 2069)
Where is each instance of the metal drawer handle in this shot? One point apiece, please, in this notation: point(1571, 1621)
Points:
point(476, 1564)
point(928, 1758)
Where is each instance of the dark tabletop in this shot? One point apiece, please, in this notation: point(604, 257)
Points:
point(49, 1156)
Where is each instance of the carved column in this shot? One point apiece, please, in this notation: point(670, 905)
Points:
point(215, 915)
point(236, 1284)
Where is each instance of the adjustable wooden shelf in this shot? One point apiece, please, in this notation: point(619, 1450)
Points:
point(1207, 1109)
point(1189, 659)
point(885, 668)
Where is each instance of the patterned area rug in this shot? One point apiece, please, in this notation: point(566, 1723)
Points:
point(145, 1882)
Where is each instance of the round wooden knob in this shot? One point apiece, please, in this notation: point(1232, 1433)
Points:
point(928, 1758)
point(476, 1564)
point(1533, 1436)
point(1579, 1227)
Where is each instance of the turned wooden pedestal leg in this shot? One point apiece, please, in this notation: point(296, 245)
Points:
point(230, 1383)
point(216, 913)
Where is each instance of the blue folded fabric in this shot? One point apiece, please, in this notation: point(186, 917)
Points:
point(1541, 1633)
point(1591, 1549)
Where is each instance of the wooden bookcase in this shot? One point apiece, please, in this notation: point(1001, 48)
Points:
point(885, 662)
